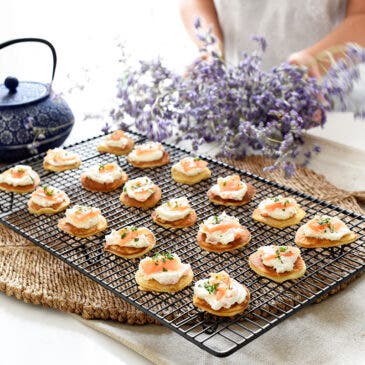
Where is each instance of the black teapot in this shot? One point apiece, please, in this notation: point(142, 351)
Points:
point(32, 118)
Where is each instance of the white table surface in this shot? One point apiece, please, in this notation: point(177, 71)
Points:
point(36, 335)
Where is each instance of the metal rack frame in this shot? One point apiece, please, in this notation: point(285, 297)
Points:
point(271, 303)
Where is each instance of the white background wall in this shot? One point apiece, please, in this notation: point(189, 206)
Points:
point(85, 34)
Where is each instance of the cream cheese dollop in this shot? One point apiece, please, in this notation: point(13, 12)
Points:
point(139, 189)
point(221, 188)
point(47, 196)
point(279, 207)
point(221, 228)
point(326, 227)
point(168, 277)
point(218, 293)
point(104, 173)
point(27, 177)
point(190, 166)
point(116, 139)
point(281, 258)
point(75, 215)
point(174, 209)
point(138, 241)
point(61, 157)
point(149, 151)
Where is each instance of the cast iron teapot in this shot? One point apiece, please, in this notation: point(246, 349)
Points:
point(32, 117)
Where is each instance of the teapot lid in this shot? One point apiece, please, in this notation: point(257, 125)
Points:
point(15, 93)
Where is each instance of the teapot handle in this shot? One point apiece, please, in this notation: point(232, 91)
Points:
point(39, 40)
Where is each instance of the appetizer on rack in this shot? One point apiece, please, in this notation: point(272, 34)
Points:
point(164, 272)
point(130, 242)
point(176, 213)
point(149, 154)
point(278, 263)
point(279, 212)
point(221, 295)
point(19, 179)
point(103, 178)
point(140, 193)
point(190, 170)
point(231, 191)
point(117, 143)
point(59, 159)
point(324, 231)
point(220, 233)
point(48, 200)
point(82, 221)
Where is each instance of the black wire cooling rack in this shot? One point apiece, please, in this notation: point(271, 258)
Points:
point(270, 302)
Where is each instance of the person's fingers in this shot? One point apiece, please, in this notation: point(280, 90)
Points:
point(302, 58)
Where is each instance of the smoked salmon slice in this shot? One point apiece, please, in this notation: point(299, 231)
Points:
point(159, 263)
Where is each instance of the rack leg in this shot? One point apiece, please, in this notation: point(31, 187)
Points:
point(9, 207)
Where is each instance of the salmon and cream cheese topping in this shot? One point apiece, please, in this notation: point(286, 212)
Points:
point(326, 227)
point(221, 228)
point(191, 166)
point(230, 188)
point(19, 175)
point(130, 236)
point(83, 217)
point(174, 209)
point(117, 139)
point(150, 151)
point(104, 173)
point(280, 258)
point(140, 189)
point(220, 291)
point(47, 196)
point(61, 157)
point(166, 268)
point(278, 207)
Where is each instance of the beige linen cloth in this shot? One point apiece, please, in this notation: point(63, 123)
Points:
point(331, 332)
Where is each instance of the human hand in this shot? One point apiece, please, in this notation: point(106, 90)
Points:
point(303, 58)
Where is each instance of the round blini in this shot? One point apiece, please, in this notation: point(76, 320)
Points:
point(241, 241)
point(148, 203)
point(154, 285)
point(49, 167)
point(103, 148)
point(312, 242)
point(215, 199)
point(188, 221)
point(21, 189)
point(278, 223)
point(56, 208)
point(80, 232)
point(181, 178)
point(223, 312)
point(133, 252)
point(96, 186)
point(268, 272)
point(164, 160)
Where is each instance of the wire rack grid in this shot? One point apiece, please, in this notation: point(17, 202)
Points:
point(270, 303)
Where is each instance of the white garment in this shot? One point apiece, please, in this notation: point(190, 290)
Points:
point(287, 25)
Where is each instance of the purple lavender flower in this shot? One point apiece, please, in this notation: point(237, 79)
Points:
point(106, 128)
point(197, 23)
point(242, 108)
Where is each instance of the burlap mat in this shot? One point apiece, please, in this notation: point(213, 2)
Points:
point(35, 276)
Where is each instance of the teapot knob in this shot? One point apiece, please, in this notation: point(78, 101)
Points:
point(11, 83)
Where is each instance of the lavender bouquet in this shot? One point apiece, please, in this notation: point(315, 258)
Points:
point(242, 108)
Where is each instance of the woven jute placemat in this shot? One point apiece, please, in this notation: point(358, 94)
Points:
point(35, 276)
